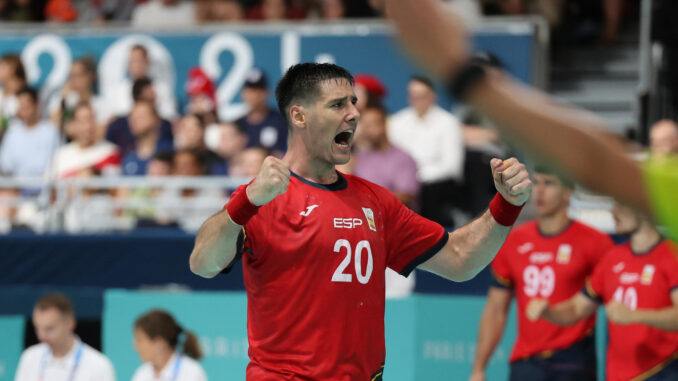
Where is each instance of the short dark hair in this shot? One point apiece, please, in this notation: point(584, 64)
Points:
point(425, 80)
point(31, 92)
point(375, 104)
point(138, 87)
point(301, 83)
point(55, 300)
point(140, 48)
point(548, 170)
point(15, 60)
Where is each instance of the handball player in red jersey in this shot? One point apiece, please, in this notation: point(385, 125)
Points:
point(550, 258)
point(315, 243)
point(638, 283)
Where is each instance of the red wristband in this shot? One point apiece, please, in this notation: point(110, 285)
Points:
point(503, 211)
point(240, 208)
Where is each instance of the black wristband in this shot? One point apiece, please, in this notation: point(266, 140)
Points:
point(471, 74)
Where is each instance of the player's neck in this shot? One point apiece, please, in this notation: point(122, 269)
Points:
point(60, 350)
point(644, 238)
point(301, 163)
point(553, 224)
point(161, 359)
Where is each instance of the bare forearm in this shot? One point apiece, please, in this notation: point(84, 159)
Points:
point(551, 130)
point(666, 319)
point(492, 327)
point(215, 245)
point(469, 249)
point(565, 313)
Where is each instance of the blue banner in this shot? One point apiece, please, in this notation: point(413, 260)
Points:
point(226, 54)
point(11, 345)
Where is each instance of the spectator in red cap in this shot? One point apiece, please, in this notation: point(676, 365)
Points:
point(201, 96)
point(368, 88)
point(61, 11)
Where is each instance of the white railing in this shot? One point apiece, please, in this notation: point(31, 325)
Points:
point(105, 204)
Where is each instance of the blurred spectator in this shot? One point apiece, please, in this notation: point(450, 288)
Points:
point(248, 162)
point(232, 141)
point(30, 141)
point(201, 96)
point(22, 10)
point(190, 134)
point(264, 126)
point(161, 164)
point(60, 350)
point(119, 100)
point(272, 10)
point(119, 131)
point(86, 155)
point(219, 10)
point(62, 11)
point(332, 9)
point(383, 163)
point(433, 137)
point(145, 126)
point(164, 13)
point(12, 79)
point(664, 138)
point(100, 12)
point(368, 89)
point(78, 88)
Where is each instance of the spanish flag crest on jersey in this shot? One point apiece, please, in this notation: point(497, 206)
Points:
point(369, 214)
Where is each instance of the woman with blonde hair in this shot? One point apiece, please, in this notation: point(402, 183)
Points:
point(169, 352)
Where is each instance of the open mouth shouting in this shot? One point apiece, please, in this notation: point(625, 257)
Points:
point(344, 140)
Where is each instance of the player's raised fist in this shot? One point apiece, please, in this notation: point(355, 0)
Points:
point(536, 308)
point(511, 180)
point(618, 313)
point(272, 180)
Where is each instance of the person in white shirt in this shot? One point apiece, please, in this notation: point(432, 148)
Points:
point(434, 139)
point(164, 13)
point(61, 355)
point(119, 99)
point(169, 352)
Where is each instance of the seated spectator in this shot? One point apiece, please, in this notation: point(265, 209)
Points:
point(368, 89)
point(119, 131)
point(232, 141)
point(61, 11)
point(434, 139)
point(664, 138)
point(381, 162)
point(120, 98)
point(219, 10)
point(164, 13)
point(279, 10)
point(145, 126)
point(30, 141)
point(12, 79)
point(264, 126)
point(101, 12)
point(190, 134)
point(332, 9)
point(22, 11)
point(248, 162)
point(78, 88)
point(86, 155)
point(161, 164)
point(201, 96)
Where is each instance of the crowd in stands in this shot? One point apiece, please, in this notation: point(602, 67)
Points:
point(582, 18)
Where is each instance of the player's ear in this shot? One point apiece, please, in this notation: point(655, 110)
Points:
point(298, 116)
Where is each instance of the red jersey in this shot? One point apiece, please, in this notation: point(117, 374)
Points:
point(640, 281)
point(554, 267)
point(314, 260)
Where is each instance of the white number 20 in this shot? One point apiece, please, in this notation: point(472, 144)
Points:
point(339, 274)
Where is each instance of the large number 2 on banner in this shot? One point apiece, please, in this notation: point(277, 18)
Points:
point(340, 276)
point(539, 281)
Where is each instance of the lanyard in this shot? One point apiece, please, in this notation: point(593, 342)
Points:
point(175, 370)
point(47, 354)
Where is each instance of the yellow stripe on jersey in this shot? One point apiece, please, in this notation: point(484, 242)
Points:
point(661, 182)
point(590, 290)
point(501, 280)
point(656, 369)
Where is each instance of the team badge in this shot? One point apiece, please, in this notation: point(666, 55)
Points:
point(564, 254)
point(369, 214)
point(647, 274)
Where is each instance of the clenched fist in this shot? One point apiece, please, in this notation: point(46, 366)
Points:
point(619, 313)
point(511, 180)
point(272, 180)
point(536, 308)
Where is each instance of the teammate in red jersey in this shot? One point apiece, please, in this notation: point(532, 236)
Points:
point(549, 258)
point(638, 284)
point(315, 243)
